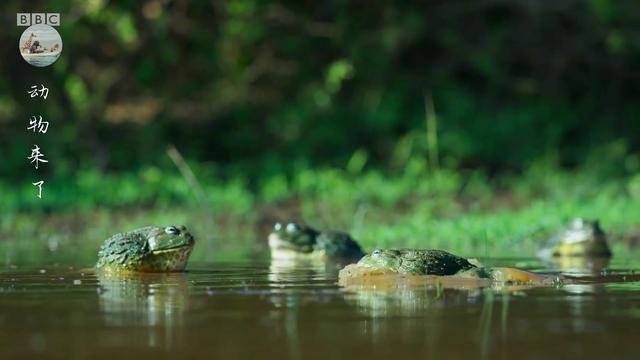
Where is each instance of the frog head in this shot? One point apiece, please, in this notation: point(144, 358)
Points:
point(168, 249)
point(292, 238)
point(581, 238)
point(581, 230)
point(382, 260)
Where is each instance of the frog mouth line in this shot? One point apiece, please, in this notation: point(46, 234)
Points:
point(276, 243)
point(577, 240)
point(374, 268)
point(173, 249)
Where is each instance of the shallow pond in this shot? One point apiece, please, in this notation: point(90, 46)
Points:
point(260, 310)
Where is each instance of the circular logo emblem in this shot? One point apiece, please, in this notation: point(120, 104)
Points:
point(40, 45)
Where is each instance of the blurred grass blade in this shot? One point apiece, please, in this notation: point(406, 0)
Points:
point(432, 132)
point(188, 174)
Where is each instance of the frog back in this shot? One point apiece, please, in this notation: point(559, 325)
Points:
point(338, 244)
point(432, 262)
point(125, 250)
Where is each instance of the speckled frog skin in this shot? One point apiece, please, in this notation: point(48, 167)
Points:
point(416, 262)
point(438, 263)
point(295, 241)
point(581, 238)
point(148, 249)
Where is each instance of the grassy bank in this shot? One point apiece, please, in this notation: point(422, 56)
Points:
point(465, 212)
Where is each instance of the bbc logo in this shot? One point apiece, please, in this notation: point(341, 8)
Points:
point(28, 19)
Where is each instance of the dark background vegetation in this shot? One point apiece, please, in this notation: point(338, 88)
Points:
point(256, 89)
point(258, 86)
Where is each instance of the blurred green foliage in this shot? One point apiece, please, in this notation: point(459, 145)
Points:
point(467, 215)
point(254, 89)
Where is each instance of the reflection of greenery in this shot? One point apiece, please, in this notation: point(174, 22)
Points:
point(486, 317)
point(578, 265)
point(412, 300)
point(415, 305)
point(285, 269)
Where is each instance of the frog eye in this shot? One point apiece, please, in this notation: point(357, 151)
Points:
point(376, 252)
point(171, 230)
point(277, 227)
point(292, 227)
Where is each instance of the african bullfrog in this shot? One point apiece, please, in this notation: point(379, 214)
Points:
point(148, 249)
point(581, 238)
point(438, 263)
point(295, 241)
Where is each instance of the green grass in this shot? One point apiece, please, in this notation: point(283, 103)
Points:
point(466, 213)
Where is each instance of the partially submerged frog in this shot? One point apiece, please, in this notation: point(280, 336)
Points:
point(148, 249)
point(438, 263)
point(297, 242)
point(581, 238)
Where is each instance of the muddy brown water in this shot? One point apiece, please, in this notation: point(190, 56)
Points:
point(259, 310)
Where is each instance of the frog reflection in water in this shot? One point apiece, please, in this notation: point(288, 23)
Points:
point(147, 299)
point(297, 242)
point(438, 263)
point(407, 300)
point(148, 249)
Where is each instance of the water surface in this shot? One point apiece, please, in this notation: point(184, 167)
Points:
point(256, 309)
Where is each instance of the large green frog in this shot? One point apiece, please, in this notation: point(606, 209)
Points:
point(297, 242)
point(416, 262)
point(438, 263)
point(581, 238)
point(148, 249)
